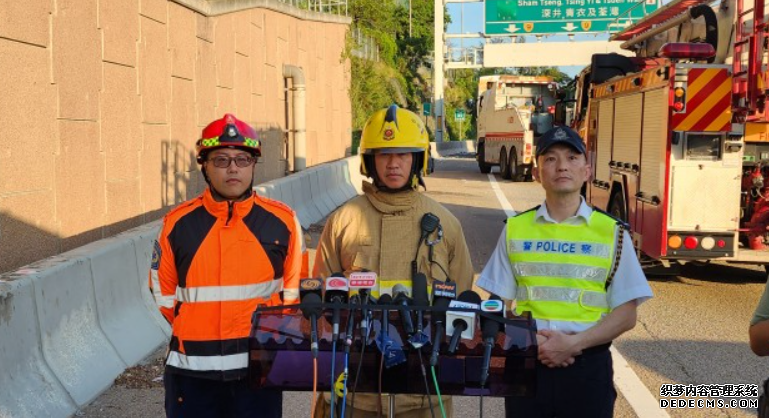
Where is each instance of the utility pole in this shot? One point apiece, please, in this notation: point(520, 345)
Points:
point(410, 19)
point(438, 66)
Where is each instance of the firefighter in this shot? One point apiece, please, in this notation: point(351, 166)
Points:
point(574, 269)
point(380, 231)
point(217, 257)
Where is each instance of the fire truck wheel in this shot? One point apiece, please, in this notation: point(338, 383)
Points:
point(482, 165)
point(504, 166)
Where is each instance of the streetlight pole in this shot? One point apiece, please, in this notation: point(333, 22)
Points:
point(410, 19)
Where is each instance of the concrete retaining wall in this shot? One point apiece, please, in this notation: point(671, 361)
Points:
point(70, 324)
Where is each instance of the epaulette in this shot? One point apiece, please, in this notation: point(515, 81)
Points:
point(527, 211)
point(521, 213)
point(276, 203)
point(619, 221)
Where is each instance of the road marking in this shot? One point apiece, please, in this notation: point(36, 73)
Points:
point(632, 388)
point(635, 392)
point(509, 211)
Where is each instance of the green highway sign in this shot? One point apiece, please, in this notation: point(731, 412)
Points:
point(543, 17)
point(459, 114)
point(426, 109)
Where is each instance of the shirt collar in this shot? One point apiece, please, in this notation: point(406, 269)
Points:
point(583, 213)
point(222, 209)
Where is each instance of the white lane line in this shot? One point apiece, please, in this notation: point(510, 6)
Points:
point(635, 392)
point(509, 211)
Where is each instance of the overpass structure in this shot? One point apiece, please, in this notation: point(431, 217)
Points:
point(506, 54)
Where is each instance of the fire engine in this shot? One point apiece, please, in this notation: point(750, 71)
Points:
point(512, 112)
point(677, 134)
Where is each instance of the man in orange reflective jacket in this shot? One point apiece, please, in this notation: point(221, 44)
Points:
point(218, 256)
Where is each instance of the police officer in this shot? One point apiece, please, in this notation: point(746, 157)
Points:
point(217, 257)
point(574, 269)
point(381, 232)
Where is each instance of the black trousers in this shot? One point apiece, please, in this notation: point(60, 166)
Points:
point(195, 397)
point(584, 389)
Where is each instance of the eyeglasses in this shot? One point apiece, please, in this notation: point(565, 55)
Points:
point(241, 161)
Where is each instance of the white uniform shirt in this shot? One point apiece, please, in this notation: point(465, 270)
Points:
point(629, 281)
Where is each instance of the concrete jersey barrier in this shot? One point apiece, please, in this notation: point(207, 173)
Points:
point(444, 149)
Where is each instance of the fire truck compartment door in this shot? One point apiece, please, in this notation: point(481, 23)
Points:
point(704, 192)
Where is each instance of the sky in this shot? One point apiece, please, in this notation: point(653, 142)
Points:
point(468, 18)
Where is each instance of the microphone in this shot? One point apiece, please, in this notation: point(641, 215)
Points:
point(363, 282)
point(489, 330)
point(461, 323)
point(429, 223)
point(309, 293)
point(419, 286)
point(385, 300)
point(312, 314)
point(402, 298)
point(348, 336)
point(336, 294)
point(443, 294)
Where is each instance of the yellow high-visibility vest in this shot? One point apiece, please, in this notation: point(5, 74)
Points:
point(561, 270)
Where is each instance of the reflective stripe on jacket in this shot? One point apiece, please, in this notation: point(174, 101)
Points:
point(214, 262)
point(560, 269)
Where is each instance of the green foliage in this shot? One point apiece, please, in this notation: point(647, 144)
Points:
point(379, 84)
point(369, 89)
point(463, 85)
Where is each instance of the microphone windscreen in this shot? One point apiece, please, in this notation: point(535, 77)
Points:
point(489, 328)
point(440, 315)
point(311, 298)
point(419, 287)
point(400, 289)
point(469, 296)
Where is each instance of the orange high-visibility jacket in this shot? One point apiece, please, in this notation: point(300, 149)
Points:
point(212, 264)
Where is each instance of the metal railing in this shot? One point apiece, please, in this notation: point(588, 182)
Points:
point(470, 55)
point(337, 7)
point(365, 46)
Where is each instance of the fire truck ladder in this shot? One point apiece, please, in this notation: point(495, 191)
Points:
point(748, 95)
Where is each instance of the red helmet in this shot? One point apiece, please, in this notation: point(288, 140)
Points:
point(228, 131)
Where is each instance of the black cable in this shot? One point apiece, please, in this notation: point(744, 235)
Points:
point(427, 385)
point(481, 416)
point(441, 267)
point(364, 342)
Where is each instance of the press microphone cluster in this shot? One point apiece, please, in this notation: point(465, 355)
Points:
point(451, 316)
